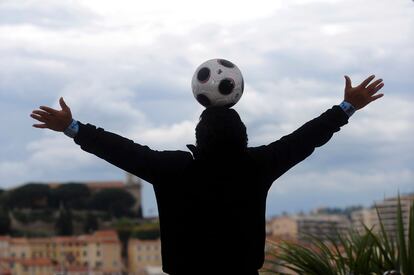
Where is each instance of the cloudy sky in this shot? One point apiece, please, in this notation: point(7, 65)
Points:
point(126, 66)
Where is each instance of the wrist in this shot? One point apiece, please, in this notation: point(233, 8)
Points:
point(73, 129)
point(347, 107)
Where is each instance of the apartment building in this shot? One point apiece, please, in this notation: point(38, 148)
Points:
point(297, 227)
point(98, 253)
point(143, 256)
point(364, 217)
point(387, 210)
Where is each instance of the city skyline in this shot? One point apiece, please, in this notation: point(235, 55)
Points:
point(127, 67)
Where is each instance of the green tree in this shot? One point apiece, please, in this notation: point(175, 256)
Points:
point(64, 223)
point(5, 222)
point(73, 195)
point(91, 223)
point(114, 200)
point(3, 198)
point(31, 195)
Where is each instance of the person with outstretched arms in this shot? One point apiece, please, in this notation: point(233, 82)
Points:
point(212, 199)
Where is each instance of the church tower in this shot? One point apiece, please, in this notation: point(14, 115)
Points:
point(133, 185)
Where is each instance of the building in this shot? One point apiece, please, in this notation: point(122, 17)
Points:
point(99, 253)
point(364, 217)
point(387, 210)
point(283, 227)
point(298, 227)
point(144, 256)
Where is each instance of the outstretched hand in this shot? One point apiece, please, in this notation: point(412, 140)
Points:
point(363, 94)
point(53, 119)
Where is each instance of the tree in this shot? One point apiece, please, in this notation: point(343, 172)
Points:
point(5, 222)
point(31, 195)
point(73, 195)
point(91, 223)
point(114, 200)
point(64, 223)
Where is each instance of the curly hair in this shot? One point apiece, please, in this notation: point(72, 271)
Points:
point(219, 131)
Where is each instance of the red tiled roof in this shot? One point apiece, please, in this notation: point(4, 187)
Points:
point(106, 233)
point(93, 184)
point(135, 241)
point(18, 241)
point(36, 262)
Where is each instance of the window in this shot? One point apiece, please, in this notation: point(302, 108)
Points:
point(98, 253)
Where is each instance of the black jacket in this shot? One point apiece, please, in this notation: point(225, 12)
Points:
point(212, 211)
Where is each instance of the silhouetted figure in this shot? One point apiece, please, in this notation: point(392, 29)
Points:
point(212, 200)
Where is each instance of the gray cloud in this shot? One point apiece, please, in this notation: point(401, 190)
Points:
point(47, 14)
point(136, 82)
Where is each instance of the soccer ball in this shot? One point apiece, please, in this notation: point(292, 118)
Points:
point(217, 82)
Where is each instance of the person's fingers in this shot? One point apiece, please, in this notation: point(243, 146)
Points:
point(49, 110)
point(348, 83)
point(39, 118)
point(374, 84)
point(366, 81)
point(63, 104)
point(40, 126)
point(40, 112)
point(376, 89)
point(375, 97)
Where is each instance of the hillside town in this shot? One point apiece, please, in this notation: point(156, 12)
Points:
point(131, 245)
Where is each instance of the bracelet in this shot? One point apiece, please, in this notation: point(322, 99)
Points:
point(347, 108)
point(72, 129)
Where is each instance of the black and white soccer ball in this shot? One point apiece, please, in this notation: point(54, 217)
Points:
point(217, 82)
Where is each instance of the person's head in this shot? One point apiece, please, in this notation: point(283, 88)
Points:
point(220, 131)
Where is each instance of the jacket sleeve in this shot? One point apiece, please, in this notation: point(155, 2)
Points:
point(281, 155)
point(124, 153)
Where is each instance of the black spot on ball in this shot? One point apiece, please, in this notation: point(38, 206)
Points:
point(203, 74)
point(242, 84)
point(226, 63)
point(229, 105)
point(226, 86)
point(203, 100)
